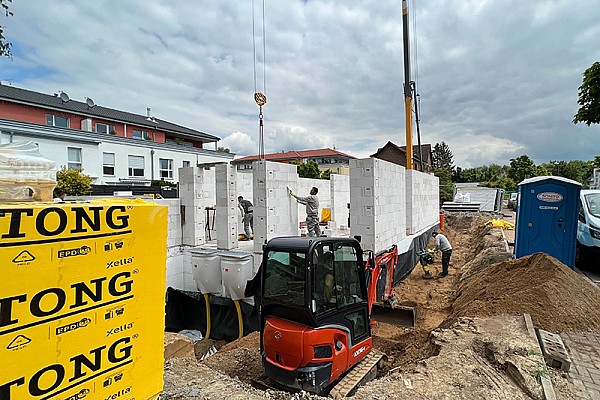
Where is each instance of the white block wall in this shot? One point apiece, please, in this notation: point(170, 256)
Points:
point(340, 198)
point(377, 203)
point(227, 207)
point(422, 201)
point(275, 211)
point(193, 196)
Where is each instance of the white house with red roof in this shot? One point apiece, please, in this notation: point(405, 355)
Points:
point(326, 159)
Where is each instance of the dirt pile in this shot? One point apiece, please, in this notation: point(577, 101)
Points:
point(557, 298)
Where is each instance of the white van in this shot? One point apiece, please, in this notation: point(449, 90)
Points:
point(588, 227)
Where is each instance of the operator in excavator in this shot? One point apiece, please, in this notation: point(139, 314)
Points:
point(324, 278)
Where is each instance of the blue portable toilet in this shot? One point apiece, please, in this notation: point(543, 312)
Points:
point(547, 211)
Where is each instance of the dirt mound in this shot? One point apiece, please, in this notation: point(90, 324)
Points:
point(557, 298)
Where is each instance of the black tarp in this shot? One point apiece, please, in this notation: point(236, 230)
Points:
point(187, 310)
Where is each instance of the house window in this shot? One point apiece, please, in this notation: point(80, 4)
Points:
point(56, 120)
point(74, 158)
point(136, 166)
point(108, 164)
point(105, 128)
point(186, 164)
point(139, 134)
point(165, 168)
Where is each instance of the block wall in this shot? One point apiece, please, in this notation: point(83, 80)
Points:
point(226, 220)
point(422, 201)
point(340, 198)
point(275, 211)
point(377, 203)
point(194, 197)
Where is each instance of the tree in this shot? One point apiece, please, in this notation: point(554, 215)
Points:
point(521, 168)
point(589, 97)
point(446, 185)
point(223, 149)
point(4, 44)
point(596, 162)
point(309, 170)
point(326, 174)
point(72, 182)
point(442, 157)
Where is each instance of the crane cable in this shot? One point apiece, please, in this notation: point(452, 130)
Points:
point(260, 97)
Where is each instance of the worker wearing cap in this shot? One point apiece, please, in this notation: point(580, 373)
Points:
point(312, 210)
point(442, 244)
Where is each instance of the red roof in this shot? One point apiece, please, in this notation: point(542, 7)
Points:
point(296, 154)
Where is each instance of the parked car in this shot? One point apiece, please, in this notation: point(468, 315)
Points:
point(512, 201)
point(588, 227)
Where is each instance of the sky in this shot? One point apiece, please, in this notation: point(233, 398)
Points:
point(496, 79)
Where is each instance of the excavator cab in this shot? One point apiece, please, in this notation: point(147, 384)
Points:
point(314, 311)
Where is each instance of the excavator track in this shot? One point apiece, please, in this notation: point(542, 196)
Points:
point(362, 372)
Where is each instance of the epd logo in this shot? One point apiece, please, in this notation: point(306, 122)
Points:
point(80, 395)
point(71, 327)
point(80, 251)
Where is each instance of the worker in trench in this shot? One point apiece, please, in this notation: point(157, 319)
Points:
point(443, 244)
point(312, 210)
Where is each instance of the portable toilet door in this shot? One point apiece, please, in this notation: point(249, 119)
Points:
point(547, 211)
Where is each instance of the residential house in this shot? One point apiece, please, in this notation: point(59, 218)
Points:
point(397, 155)
point(112, 146)
point(326, 159)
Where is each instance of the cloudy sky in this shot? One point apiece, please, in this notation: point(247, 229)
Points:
point(496, 79)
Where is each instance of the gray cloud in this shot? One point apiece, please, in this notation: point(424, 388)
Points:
point(496, 79)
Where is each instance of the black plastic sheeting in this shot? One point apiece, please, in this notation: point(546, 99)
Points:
point(187, 310)
point(407, 261)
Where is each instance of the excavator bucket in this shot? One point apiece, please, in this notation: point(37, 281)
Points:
point(394, 315)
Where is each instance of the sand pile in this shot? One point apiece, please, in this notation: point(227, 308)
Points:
point(557, 298)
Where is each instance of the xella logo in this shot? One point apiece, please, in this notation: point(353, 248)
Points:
point(79, 395)
point(120, 393)
point(80, 251)
point(18, 343)
point(24, 257)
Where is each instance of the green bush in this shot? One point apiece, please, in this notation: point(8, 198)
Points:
point(72, 182)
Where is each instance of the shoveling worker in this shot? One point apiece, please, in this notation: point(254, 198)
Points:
point(442, 244)
point(312, 210)
point(248, 217)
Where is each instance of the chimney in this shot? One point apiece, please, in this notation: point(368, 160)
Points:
point(148, 111)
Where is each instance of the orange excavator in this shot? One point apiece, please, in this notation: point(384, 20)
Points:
point(317, 297)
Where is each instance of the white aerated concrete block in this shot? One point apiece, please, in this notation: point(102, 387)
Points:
point(422, 200)
point(377, 203)
point(275, 211)
point(227, 210)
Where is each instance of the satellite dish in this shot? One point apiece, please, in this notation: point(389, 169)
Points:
point(90, 102)
point(64, 97)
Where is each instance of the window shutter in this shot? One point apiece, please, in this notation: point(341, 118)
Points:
point(136, 162)
point(108, 158)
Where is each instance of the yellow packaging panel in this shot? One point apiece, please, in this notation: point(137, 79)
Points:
point(82, 300)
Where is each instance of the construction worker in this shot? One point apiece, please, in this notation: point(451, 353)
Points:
point(246, 208)
point(442, 244)
point(312, 210)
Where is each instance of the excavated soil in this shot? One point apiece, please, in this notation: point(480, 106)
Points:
point(469, 341)
point(557, 298)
